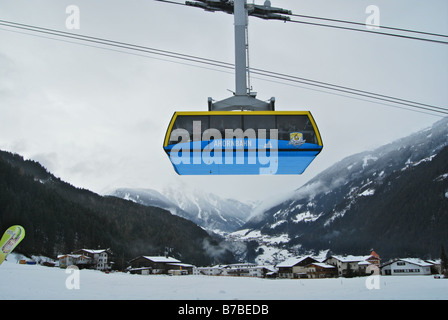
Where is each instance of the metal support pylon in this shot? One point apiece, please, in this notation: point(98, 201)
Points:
point(243, 98)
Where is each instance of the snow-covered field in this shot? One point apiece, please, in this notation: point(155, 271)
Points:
point(32, 282)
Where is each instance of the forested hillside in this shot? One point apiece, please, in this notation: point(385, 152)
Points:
point(59, 218)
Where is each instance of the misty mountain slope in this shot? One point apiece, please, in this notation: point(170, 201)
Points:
point(207, 210)
point(392, 198)
point(149, 197)
point(407, 214)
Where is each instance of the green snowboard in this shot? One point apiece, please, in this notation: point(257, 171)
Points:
point(11, 238)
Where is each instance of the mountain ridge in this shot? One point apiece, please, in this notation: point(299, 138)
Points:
point(317, 216)
point(209, 211)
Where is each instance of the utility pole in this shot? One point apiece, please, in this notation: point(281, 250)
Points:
point(242, 99)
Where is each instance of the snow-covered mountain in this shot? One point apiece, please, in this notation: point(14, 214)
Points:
point(393, 199)
point(207, 210)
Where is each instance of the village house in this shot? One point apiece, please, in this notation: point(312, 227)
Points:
point(79, 260)
point(436, 266)
point(294, 268)
point(100, 258)
point(348, 265)
point(87, 258)
point(158, 265)
point(408, 266)
point(264, 272)
point(248, 270)
point(238, 269)
point(321, 270)
point(209, 271)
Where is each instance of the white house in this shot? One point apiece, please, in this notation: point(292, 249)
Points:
point(237, 269)
point(436, 266)
point(87, 258)
point(100, 258)
point(263, 271)
point(80, 260)
point(360, 265)
point(209, 271)
point(240, 269)
point(248, 270)
point(408, 266)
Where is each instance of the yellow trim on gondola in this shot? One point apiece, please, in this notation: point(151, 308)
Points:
point(229, 113)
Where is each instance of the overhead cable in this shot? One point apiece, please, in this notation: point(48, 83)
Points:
point(369, 25)
point(369, 31)
point(225, 65)
point(340, 27)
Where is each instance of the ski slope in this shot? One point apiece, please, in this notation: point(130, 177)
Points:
point(36, 282)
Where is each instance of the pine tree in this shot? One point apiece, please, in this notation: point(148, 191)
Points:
point(349, 271)
point(443, 261)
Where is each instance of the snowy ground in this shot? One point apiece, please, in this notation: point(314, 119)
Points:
point(35, 282)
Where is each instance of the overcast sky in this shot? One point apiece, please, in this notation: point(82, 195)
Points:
point(96, 117)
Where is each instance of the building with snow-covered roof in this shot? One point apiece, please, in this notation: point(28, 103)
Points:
point(436, 265)
point(238, 270)
point(248, 270)
point(406, 266)
point(100, 258)
point(79, 260)
point(87, 258)
point(321, 270)
point(209, 271)
point(355, 265)
point(158, 265)
point(293, 268)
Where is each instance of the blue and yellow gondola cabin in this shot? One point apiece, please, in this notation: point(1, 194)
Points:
point(242, 142)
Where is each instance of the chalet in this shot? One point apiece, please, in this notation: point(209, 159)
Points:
point(181, 268)
point(262, 271)
point(374, 259)
point(238, 269)
point(348, 264)
point(101, 258)
point(321, 270)
point(369, 268)
point(87, 258)
point(356, 265)
point(209, 271)
point(436, 266)
point(159, 265)
point(408, 266)
point(79, 260)
point(249, 270)
point(294, 268)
